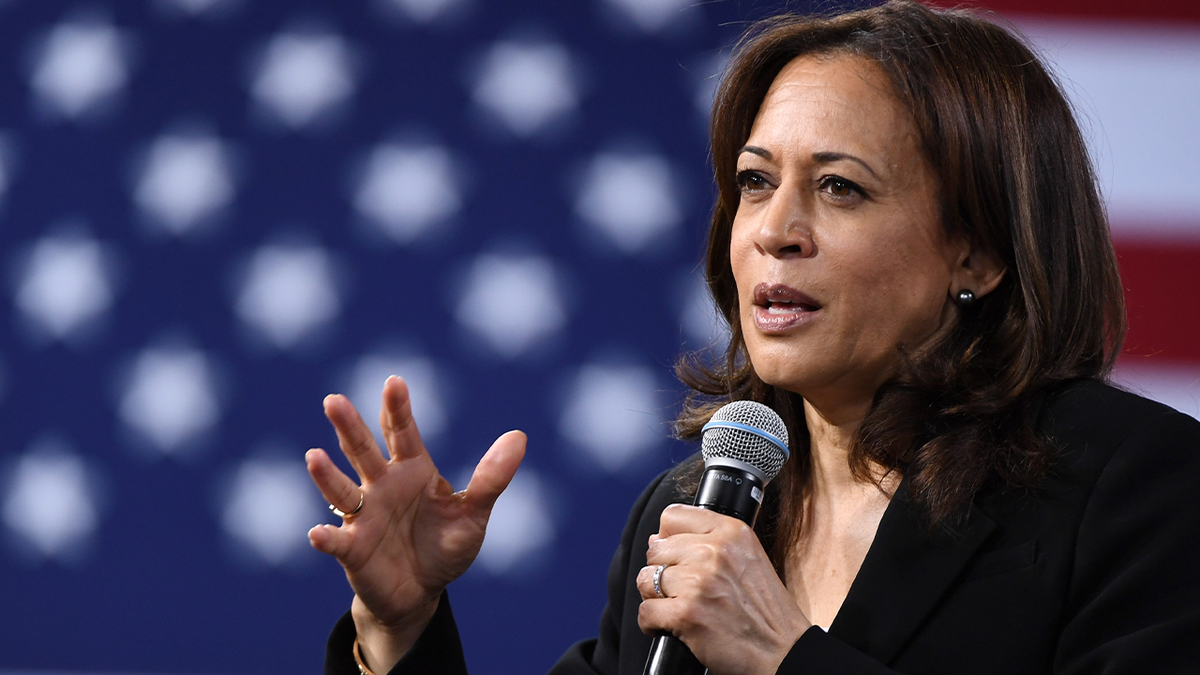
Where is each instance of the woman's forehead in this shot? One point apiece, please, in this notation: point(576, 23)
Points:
point(840, 100)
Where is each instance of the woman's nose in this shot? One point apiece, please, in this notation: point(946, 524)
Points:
point(784, 230)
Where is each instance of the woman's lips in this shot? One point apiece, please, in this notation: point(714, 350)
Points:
point(778, 308)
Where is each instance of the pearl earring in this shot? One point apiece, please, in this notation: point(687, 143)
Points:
point(965, 298)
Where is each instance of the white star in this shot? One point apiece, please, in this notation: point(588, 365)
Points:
point(303, 77)
point(52, 501)
point(170, 397)
point(407, 189)
point(186, 179)
point(289, 292)
point(526, 85)
point(703, 325)
point(651, 15)
point(7, 162)
point(709, 79)
point(630, 199)
point(197, 7)
point(422, 11)
point(79, 66)
point(269, 508)
point(66, 285)
point(612, 414)
point(512, 302)
point(424, 388)
point(520, 526)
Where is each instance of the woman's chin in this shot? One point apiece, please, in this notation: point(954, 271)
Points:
point(784, 376)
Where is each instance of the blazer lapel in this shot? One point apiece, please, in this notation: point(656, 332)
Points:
point(906, 572)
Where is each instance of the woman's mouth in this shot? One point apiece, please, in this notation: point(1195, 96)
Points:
point(778, 308)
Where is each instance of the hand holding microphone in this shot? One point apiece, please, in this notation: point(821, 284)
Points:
point(708, 582)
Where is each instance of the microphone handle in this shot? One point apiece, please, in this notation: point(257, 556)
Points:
point(733, 492)
point(669, 656)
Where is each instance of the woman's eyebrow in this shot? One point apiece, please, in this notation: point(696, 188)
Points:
point(755, 150)
point(826, 157)
point(829, 157)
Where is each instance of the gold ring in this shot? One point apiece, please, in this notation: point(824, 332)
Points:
point(342, 514)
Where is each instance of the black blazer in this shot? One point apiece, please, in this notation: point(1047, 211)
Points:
point(1098, 571)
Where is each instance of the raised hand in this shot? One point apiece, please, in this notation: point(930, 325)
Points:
point(413, 534)
point(723, 597)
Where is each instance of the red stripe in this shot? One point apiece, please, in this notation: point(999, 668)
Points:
point(1162, 296)
point(1148, 10)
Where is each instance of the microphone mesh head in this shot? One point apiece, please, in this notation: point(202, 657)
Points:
point(763, 443)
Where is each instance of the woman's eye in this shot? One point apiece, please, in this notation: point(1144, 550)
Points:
point(751, 180)
point(841, 188)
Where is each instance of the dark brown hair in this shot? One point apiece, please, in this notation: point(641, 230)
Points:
point(1016, 181)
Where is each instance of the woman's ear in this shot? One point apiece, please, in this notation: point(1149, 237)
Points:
point(978, 270)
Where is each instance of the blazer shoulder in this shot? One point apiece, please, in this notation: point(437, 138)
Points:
point(1096, 397)
point(1091, 421)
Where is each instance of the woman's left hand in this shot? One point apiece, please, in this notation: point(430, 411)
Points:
point(724, 599)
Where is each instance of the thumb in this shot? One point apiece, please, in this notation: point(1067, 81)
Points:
point(495, 471)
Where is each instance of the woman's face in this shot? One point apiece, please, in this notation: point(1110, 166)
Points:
point(837, 246)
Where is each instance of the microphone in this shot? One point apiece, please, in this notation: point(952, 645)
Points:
point(745, 445)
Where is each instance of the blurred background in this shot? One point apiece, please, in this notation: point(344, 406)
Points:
point(215, 212)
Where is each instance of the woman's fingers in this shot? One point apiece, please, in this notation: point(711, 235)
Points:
point(695, 544)
point(685, 556)
point(396, 420)
point(331, 540)
point(356, 440)
point(336, 487)
point(645, 581)
point(495, 471)
point(657, 615)
point(678, 612)
point(685, 518)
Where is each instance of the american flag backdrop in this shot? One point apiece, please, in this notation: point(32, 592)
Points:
point(215, 212)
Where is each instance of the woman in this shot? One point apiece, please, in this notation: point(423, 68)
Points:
point(915, 264)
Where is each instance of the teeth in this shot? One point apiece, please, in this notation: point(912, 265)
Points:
point(789, 308)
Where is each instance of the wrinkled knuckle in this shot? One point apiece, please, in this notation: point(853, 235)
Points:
point(685, 621)
point(360, 446)
point(400, 421)
point(646, 617)
point(644, 584)
point(729, 550)
point(706, 586)
point(653, 549)
point(686, 606)
point(715, 556)
point(665, 521)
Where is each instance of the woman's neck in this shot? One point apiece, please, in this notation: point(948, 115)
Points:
point(831, 439)
point(841, 515)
